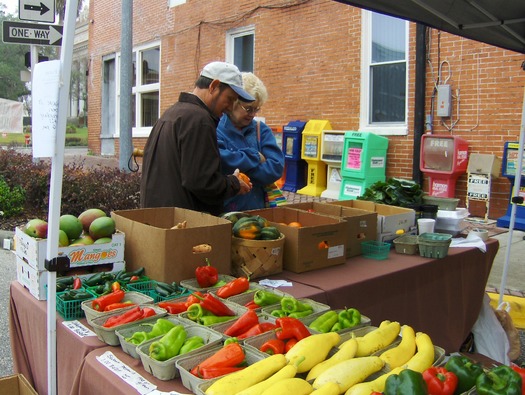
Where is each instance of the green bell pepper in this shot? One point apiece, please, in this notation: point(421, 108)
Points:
point(466, 370)
point(291, 305)
point(169, 345)
point(348, 318)
point(191, 343)
point(266, 298)
point(325, 322)
point(407, 382)
point(501, 380)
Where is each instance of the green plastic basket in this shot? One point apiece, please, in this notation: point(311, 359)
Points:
point(375, 249)
point(148, 288)
point(71, 309)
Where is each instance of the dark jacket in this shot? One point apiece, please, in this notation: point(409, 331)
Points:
point(240, 149)
point(181, 165)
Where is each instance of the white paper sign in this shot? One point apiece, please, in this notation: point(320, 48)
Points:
point(110, 361)
point(78, 328)
point(275, 283)
point(45, 87)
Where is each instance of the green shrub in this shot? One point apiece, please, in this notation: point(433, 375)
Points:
point(12, 200)
point(101, 187)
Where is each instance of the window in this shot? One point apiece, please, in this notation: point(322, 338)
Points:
point(145, 89)
point(384, 74)
point(240, 48)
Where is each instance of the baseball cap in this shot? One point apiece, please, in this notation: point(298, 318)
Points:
point(229, 74)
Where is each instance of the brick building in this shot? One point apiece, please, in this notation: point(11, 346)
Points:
point(320, 59)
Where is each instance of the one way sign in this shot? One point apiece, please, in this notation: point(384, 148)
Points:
point(32, 33)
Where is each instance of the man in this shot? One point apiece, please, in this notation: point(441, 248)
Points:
point(181, 164)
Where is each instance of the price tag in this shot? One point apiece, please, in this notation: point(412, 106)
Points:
point(78, 328)
point(110, 361)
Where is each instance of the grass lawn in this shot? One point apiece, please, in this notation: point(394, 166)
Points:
point(79, 138)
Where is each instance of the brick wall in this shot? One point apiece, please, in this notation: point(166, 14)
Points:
point(308, 55)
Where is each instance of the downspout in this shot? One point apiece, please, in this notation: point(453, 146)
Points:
point(419, 105)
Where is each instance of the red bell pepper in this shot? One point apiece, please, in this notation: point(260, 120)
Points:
point(234, 287)
point(257, 330)
point(174, 307)
point(273, 346)
point(243, 323)
point(231, 354)
point(521, 371)
point(101, 302)
point(440, 381)
point(207, 275)
point(216, 371)
point(289, 344)
point(215, 306)
point(289, 327)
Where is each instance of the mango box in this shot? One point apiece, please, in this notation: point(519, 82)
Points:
point(34, 251)
point(16, 384)
point(390, 219)
point(167, 254)
point(361, 225)
point(319, 243)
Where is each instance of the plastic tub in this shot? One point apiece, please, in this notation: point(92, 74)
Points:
point(434, 245)
point(375, 249)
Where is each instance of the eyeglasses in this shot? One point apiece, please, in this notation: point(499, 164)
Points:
point(250, 110)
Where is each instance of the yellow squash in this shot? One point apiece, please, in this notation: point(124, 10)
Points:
point(293, 386)
point(378, 339)
point(287, 372)
point(424, 357)
point(312, 350)
point(327, 389)
point(377, 385)
point(399, 355)
point(346, 351)
point(350, 372)
point(242, 379)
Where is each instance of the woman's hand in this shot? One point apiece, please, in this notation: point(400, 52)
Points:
point(245, 186)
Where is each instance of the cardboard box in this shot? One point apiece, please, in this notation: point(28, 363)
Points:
point(390, 219)
point(34, 251)
point(361, 225)
point(167, 254)
point(36, 280)
point(319, 243)
point(16, 384)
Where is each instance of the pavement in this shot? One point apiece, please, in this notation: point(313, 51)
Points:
point(508, 258)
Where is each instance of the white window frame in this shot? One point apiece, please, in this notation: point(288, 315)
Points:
point(232, 34)
point(175, 3)
point(395, 128)
point(137, 89)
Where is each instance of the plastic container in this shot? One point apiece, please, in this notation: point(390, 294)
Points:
point(108, 335)
point(406, 244)
point(124, 333)
point(443, 203)
point(316, 307)
point(451, 222)
point(434, 245)
point(71, 309)
point(130, 296)
point(148, 288)
point(193, 285)
point(365, 321)
point(429, 211)
point(185, 364)
point(166, 370)
point(375, 249)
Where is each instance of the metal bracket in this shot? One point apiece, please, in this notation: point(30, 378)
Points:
point(58, 264)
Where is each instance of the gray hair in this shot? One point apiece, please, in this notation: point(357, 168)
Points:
point(255, 87)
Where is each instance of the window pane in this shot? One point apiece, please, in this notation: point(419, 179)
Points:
point(150, 66)
point(133, 112)
point(150, 108)
point(388, 93)
point(388, 38)
point(243, 52)
point(134, 67)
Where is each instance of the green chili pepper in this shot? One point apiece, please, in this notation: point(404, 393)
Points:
point(191, 343)
point(466, 370)
point(301, 314)
point(407, 382)
point(161, 327)
point(231, 340)
point(278, 313)
point(292, 305)
point(213, 319)
point(195, 312)
point(337, 327)
point(501, 380)
point(325, 322)
point(266, 298)
point(76, 294)
point(349, 318)
point(168, 345)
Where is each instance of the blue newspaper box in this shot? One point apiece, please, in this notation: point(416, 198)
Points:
point(295, 167)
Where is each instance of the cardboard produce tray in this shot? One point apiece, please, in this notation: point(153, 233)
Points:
point(167, 370)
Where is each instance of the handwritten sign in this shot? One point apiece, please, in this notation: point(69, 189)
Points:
point(45, 89)
point(78, 328)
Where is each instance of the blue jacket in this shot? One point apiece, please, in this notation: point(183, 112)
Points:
point(240, 150)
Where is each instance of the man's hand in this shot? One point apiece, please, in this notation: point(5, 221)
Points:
point(245, 186)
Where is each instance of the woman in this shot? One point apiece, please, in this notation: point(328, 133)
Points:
point(250, 146)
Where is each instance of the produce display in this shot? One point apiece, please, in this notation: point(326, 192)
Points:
point(292, 307)
point(332, 321)
point(246, 226)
